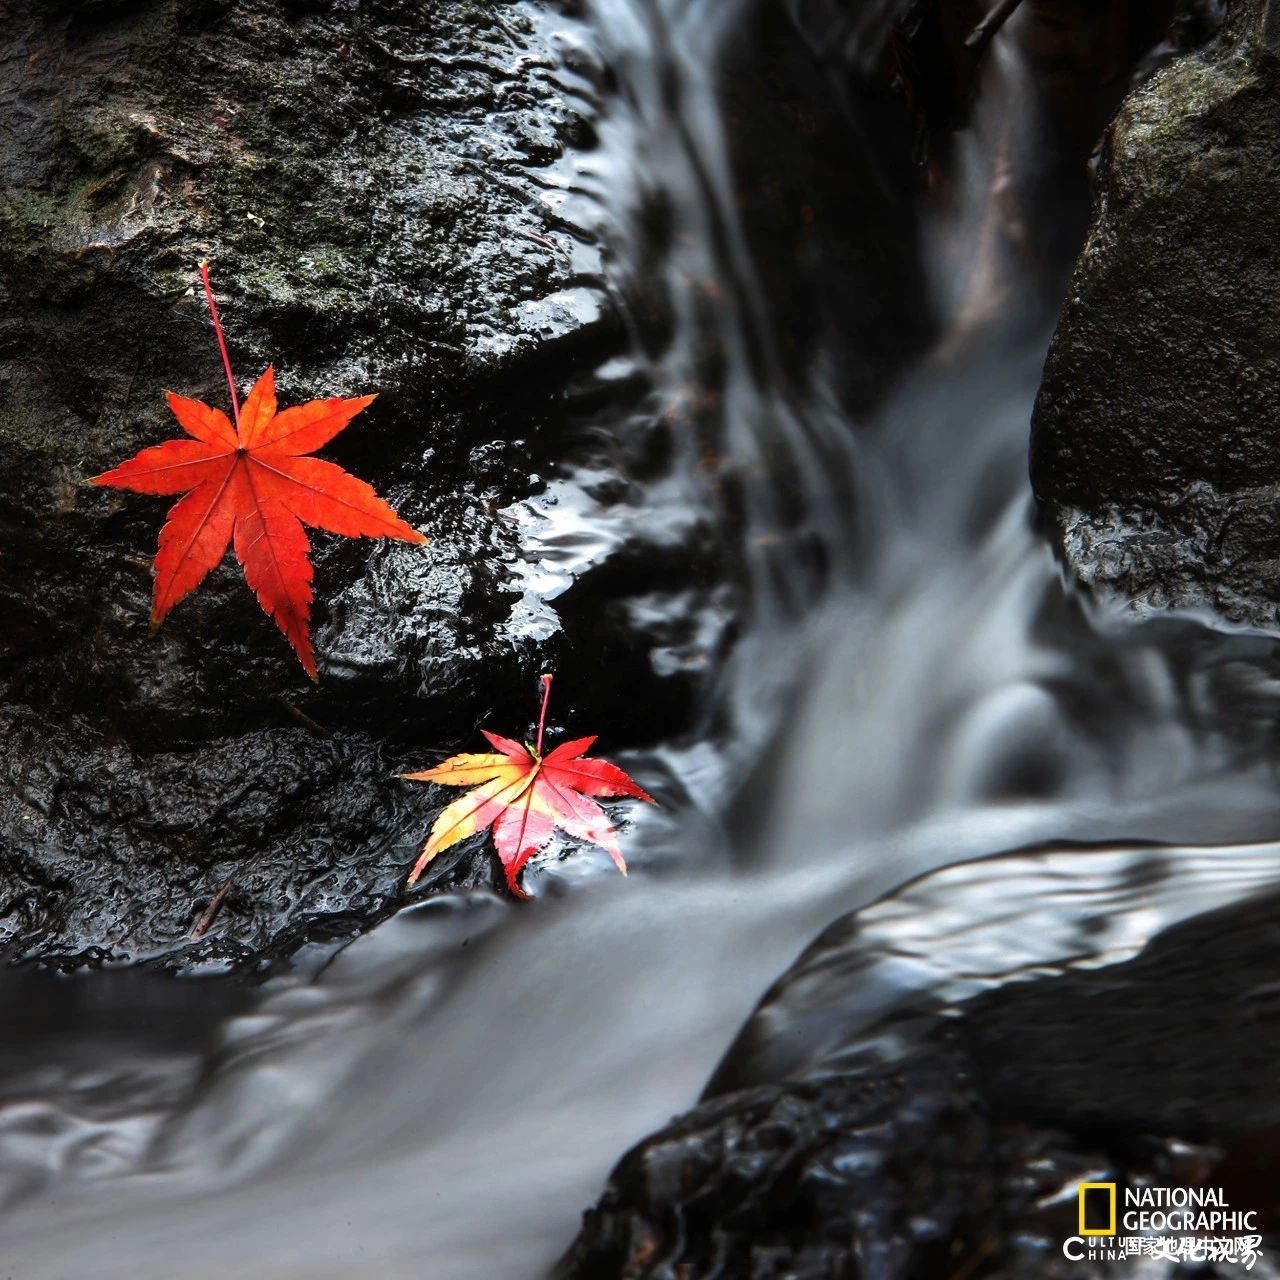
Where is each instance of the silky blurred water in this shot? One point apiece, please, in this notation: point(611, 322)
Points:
point(444, 1096)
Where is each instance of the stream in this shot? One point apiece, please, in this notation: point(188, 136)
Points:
point(900, 683)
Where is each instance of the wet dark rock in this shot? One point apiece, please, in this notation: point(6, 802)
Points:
point(368, 182)
point(796, 1180)
point(1155, 450)
point(946, 1139)
point(392, 196)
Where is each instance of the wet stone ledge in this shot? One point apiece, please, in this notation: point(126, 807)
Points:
point(1154, 450)
point(901, 1106)
point(384, 193)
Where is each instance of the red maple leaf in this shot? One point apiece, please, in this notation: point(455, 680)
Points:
point(525, 796)
point(252, 484)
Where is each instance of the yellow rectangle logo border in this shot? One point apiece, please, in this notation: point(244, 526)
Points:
point(1096, 1186)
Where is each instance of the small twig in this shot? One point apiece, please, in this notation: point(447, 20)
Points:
point(543, 240)
point(970, 1264)
point(496, 18)
point(983, 34)
point(212, 910)
point(133, 377)
point(313, 727)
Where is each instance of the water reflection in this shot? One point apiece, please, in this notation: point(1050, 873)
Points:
point(909, 687)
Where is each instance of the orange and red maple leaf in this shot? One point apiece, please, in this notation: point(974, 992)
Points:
point(525, 796)
point(251, 484)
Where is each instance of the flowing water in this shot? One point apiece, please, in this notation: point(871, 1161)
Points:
point(911, 687)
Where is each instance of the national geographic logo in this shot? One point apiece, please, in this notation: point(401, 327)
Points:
point(1174, 1224)
point(1097, 1208)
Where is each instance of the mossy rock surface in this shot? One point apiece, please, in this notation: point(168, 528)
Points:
point(1156, 438)
point(411, 198)
point(368, 183)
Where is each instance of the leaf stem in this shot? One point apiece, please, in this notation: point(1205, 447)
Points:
point(542, 719)
point(222, 343)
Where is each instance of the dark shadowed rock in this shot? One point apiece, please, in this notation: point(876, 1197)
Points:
point(795, 1180)
point(1156, 440)
point(397, 197)
point(919, 1094)
point(369, 182)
